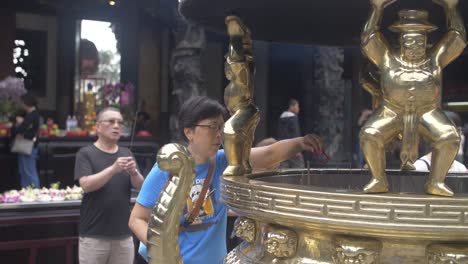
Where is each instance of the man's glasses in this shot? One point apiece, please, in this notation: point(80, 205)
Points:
point(213, 127)
point(113, 121)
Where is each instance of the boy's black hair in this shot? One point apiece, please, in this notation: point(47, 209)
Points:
point(196, 109)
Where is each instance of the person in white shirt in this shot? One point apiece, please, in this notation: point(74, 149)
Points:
point(424, 164)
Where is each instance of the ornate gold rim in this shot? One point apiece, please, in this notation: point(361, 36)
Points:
point(316, 208)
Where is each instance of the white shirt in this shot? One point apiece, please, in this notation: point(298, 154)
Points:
point(422, 166)
point(462, 143)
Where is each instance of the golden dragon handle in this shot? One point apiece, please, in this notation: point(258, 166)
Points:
point(163, 226)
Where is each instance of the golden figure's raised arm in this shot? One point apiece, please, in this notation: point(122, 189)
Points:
point(454, 41)
point(240, 42)
point(369, 78)
point(373, 43)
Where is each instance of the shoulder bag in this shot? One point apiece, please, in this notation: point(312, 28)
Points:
point(22, 145)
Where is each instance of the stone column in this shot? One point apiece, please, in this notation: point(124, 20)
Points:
point(186, 74)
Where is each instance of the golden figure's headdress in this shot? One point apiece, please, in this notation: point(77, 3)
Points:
point(413, 21)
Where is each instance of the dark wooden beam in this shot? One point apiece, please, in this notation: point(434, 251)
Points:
point(322, 22)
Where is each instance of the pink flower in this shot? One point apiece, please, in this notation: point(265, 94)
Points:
point(12, 88)
point(118, 93)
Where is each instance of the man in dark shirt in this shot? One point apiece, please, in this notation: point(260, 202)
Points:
point(288, 127)
point(106, 172)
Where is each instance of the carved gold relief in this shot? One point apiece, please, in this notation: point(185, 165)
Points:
point(280, 242)
point(447, 254)
point(245, 229)
point(352, 250)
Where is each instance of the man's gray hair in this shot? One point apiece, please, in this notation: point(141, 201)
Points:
point(106, 109)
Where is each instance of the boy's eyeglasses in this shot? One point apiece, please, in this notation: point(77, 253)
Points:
point(113, 121)
point(213, 127)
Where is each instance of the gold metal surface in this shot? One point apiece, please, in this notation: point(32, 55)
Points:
point(163, 226)
point(303, 223)
point(342, 226)
point(245, 228)
point(300, 221)
point(447, 253)
point(370, 81)
point(411, 80)
point(238, 131)
point(347, 250)
point(280, 242)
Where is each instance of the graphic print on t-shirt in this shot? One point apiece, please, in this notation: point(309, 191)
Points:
point(206, 209)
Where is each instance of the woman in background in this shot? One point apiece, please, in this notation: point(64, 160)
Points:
point(28, 127)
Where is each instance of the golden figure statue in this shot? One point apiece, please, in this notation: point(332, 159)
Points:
point(411, 81)
point(238, 131)
point(163, 226)
point(89, 110)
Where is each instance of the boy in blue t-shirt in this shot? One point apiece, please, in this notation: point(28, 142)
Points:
point(204, 240)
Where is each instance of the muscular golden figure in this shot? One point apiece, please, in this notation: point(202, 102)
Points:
point(238, 131)
point(411, 80)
